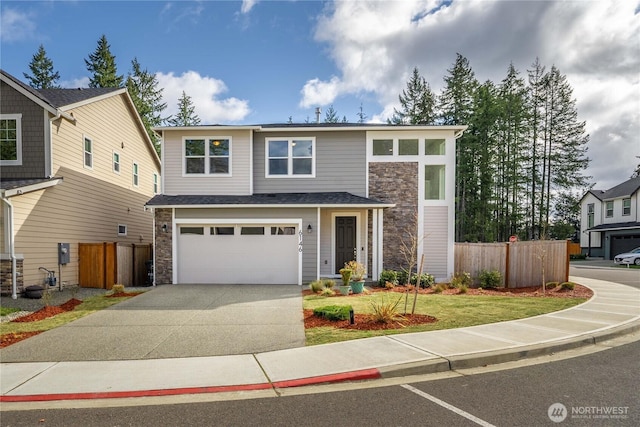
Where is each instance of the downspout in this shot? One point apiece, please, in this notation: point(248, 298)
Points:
point(12, 250)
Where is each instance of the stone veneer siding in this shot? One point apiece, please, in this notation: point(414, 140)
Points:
point(395, 182)
point(6, 283)
point(163, 247)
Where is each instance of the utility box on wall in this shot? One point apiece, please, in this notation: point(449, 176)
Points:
point(64, 253)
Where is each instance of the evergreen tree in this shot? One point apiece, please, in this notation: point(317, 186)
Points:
point(42, 75)
point(456, 107)
point(147, 97)
point(103, 66)
point(361, 115)
point(331, 116)
point(536, 102)
point(186, 113)
point(417, 103)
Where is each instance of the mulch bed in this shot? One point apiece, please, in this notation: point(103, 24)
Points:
point(123, 294)
point(365, 322)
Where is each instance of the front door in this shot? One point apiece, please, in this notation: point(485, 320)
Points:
point(346, 249)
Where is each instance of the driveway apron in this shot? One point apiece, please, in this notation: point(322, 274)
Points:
point(176, 321)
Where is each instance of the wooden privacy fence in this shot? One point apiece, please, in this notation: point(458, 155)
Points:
point(104, 264)
point(520, 263)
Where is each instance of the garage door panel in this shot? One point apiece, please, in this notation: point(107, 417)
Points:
point(238, 258)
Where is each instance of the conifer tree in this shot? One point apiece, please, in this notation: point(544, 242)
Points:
point(42, 75)
point(147, 97)
point(417, 103)
point(102, 65)
point(331, 116)
point(186, 113)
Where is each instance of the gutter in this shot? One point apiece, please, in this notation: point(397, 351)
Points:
point(12, 250)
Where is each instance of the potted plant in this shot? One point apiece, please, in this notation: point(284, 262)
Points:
point(357, 276)
point(346, 277)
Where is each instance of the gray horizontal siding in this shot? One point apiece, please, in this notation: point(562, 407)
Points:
point(435, 241)
point(340, 164)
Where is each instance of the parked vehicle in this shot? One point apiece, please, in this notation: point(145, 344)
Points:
point(631, 257)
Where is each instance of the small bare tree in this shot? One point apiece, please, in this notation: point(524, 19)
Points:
point(541, 254)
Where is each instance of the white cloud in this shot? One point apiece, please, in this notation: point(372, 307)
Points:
point(16, 25)
point(247, 5)
point(376, 44)
point(205, 94)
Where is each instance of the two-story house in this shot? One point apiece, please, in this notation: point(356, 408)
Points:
point(291, 203)
point(610, 220)
point(76, 165)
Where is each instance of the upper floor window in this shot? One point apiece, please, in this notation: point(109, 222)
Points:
point(434, 147)
point(590, 215)
point(434, 179)
point(88, 153)
point(116, 162)
point(207, 156)
point(136, 175)
point(11, 139)
point(626, 207)
point(383, 147)
point(609, 209)
point(408, 147)
point(290, 157)
point(155, 183)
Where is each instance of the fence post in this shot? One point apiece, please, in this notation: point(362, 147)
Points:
point(507, 268)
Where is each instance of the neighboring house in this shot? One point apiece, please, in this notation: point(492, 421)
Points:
point(76, 166)
point(291, 203)
point(610, 220)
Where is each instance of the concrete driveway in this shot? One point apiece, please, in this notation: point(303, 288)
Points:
point(176, 321)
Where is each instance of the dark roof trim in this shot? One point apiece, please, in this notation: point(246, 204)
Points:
point(337, 199)
point(615, 226)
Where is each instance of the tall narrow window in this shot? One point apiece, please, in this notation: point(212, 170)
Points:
point(434, 182)
point(136, 175)
point(194, 156)
point(590, 215)
point(155, 183)
point(626, 207)
point(88, 153)
point(11, 139)
point(116, 162)
point(218, 156)
point(609, 209)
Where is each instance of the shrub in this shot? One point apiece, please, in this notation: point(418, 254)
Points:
point(328, 283)
point(357, 270)
point(426, 280)
point(460, 279)
point(403, 277)
point(439, 288)
point(386, 311)
point(333, 312)
point(568, 286)
point(316, 286)
point(117, 289)
point(390, 276)
point(577, 256)
point(389, 285)
point(490, 279)
point(327, 292)
point(551, 285)
point(462, 289)
point(345, 273)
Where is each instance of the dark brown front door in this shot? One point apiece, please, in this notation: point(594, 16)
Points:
point(345, 240)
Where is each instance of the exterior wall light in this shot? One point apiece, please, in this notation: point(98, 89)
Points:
point(309, 229)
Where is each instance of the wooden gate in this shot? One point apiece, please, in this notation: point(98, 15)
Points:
point(104, 264)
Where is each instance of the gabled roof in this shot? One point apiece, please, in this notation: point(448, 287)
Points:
point(268, 199)
point(17, 187)
point(626, 189)
point(61, 98)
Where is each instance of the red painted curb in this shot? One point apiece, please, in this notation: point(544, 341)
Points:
point(125, 394)
point(365, 374)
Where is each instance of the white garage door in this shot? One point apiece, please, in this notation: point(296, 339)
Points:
point(238, 253)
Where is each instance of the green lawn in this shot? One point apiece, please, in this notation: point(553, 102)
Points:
point(452, 311)
point(7, 310)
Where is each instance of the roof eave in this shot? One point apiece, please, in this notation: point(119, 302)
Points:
point(32, 187)
point(277, 205)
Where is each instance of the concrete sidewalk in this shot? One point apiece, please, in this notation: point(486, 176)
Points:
point(614, 310)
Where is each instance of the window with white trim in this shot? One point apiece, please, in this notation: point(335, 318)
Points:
point(11, 139)
point(155, 183)
point(434, 147)
point(136, 175)
point(591, 213)
point(207, 156)
point(609, 209)
point(88, 153)
point(434, 180)
point(383, 147)
point(116, 162)
point(626, 207)
point(290, 157)
point(408, 147)
point(122, 229)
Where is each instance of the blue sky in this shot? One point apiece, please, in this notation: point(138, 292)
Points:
point(263, 61)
